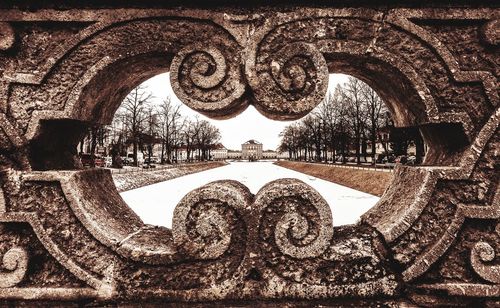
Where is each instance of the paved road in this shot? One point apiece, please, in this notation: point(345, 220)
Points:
point(155, 203)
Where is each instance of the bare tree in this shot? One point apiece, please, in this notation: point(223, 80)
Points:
point(289, 141)
point(313, 126)
point(354, 98)
point(118, 134)
point(376, 109)
point(342, 131)
point(209, 136)
point(348, 118)
point(330, 113)
point(134, 108)
point(190, 136)
point(177, 137)
point(170, 124)
point(95, 136)
point(144, 126)
point(152, 126)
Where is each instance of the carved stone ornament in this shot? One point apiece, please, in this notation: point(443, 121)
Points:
point(66, 234)
point(491, 32)
point(15, 263)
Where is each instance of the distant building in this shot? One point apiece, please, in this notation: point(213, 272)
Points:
point(231, 154)
point(282, 155)
point(251, 150)
point(411, 137)
point(269, 154)
point(218, 152)
point(181, 154)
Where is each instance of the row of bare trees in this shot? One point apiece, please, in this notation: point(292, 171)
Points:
point(143, 126)
point(346, 124)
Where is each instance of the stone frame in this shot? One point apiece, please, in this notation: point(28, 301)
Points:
point(65, 233)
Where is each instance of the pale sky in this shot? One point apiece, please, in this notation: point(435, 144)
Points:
point(250, 124)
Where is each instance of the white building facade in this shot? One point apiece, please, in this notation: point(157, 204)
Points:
point(218, 152)
point(251, 150)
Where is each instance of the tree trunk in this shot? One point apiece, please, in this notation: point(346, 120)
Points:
point(358, 154)
point(135, 152)
point(419, 148)
point(374, 145)
point(93, 146)
point(162, 159)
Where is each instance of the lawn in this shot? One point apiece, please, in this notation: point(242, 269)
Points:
point(369, 181)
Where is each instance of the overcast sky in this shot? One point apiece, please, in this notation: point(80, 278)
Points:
point(250, 124)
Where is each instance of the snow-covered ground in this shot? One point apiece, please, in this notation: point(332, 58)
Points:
point(155, 203)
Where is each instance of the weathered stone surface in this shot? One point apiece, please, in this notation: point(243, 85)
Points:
point(7, 36)
point(29, 265)
point(66, 234)
point(491, 32)
point(205, 221)
point(15, 261)
point(208, 80)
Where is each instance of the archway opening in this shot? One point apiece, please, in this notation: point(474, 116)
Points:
point(168, 146)
point(102, 94)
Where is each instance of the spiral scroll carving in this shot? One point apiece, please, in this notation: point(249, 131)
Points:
point(482, 253)
point(15, 262)
point(206, 220)
point(491, 32)
point(290, 82)
point(296, 217)
point(208, 80)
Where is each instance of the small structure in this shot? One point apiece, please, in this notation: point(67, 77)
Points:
point(218, 152)
point(251, 150)
point(269, 154)
point(234, 154)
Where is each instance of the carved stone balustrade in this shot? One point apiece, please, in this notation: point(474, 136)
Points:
point(65, 233)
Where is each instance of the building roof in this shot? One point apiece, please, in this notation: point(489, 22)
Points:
point(218, 146)
point(252, 141)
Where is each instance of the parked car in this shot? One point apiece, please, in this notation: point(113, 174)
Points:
point(129, 161)
point(402, 159)
point(108, 161)
point(124, 160)
point(389, 161)
point(149, 161)
point(140, 158)
point(154, 160)
point(86, 160)
point(380, 158)
point(412, 160)
point(99, 161)
point(147, 164)
point(339, 159)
